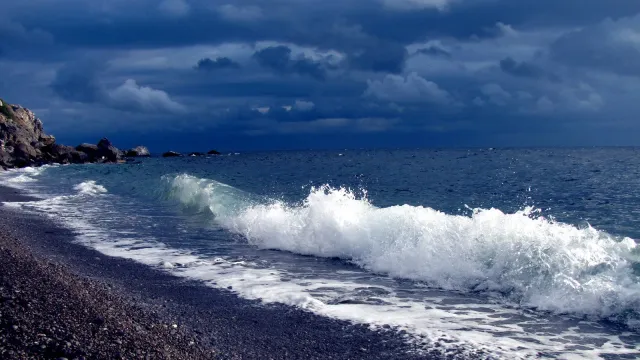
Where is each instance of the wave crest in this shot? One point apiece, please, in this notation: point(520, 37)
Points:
point(90, 188)
point(530, 260)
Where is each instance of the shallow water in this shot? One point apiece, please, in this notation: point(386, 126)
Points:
point(521, 252)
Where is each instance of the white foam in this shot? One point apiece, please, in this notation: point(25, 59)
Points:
point(531, 261)
point(20, 178)
point(90, 187)
point(455, 326)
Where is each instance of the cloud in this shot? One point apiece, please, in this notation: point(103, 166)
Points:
point(416, 4)
point(496, 94)
point(174, 8)
point(207, 64)
point(19, 41)
point(380, 57)
point(133, 97)
point(545, 105)
point(79, 82)
point(311, 60)
point(410, 88)
point(240, 13)
point(612, 45)
point(278, 58)
point(434, 51)
point(322, 125)
point(302, 105)
point(523, 69)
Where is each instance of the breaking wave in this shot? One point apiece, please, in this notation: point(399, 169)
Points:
point(530, 260)
point(90, 187)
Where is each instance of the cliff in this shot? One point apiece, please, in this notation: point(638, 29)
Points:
point(23, 142)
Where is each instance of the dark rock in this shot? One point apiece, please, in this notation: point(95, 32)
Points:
point(23, 142)
point(79, 157)
point(196, 154)
point(25, 152)
point(65, 154)
point(89, 149)
point(61, 153)
point(108, 152)
point(47, 140)
point(138, 151)
point(171, 154)
point(213, 152)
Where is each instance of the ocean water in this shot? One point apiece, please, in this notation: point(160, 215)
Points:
point(525, 253)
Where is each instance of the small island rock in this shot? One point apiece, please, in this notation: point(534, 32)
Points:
point(171, 154)
point(138, 151)
point(213, 152)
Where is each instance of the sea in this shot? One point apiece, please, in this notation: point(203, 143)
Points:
point(523, 253)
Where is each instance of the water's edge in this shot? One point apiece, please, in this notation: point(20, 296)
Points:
point(239, 327)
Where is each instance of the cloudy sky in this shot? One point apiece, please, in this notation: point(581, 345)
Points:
point(296, 74)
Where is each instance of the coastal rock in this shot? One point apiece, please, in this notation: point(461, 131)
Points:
point(138, 151)
point(22, 150)
point(107, 151)
point(213, 152)
point(23, 142)
point(63, 154)
point(89, 149)
point(171, 154)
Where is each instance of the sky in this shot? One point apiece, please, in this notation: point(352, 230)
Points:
point(193, 75)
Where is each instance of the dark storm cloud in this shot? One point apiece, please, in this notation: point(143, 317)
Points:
point(320, 66)
point(78, 82)
point(526, 69)
point(279, 59)
point(381, 57)
point(434, 51)
point(207, 64)
point(610, 46)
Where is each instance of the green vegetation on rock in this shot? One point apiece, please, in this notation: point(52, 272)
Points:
point(6, 110)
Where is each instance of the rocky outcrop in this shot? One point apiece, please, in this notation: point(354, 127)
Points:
point(138, 151)
point(23, 142)
point(22, 137)
point(171, 154)
point(90, 149)
point(108, 152)
point(213, 152)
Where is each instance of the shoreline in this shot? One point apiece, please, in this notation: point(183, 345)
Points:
point(210, 323)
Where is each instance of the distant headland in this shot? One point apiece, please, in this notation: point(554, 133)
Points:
point(23, 142)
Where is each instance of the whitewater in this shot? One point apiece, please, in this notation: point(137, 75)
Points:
point(514, 283)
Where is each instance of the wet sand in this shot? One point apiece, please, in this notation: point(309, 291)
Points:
point(62, 300)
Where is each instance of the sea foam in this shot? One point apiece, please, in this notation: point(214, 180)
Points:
point(525, 259)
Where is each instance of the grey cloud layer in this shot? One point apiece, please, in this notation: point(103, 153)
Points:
point(316, 66)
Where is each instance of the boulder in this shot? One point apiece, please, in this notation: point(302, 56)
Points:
point(22, 150)
point(108, 152)
point(89, 149)
point(66, 154)
point(213, 152)
point(196, 154)
point(171, 154)
point(138, 151)
point(6, 157)
point(47, 140)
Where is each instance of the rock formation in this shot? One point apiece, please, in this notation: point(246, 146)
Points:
point(138, 151)
point(23, 142)
point(171, 154)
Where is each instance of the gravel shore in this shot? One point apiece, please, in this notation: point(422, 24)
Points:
point(62, 300)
